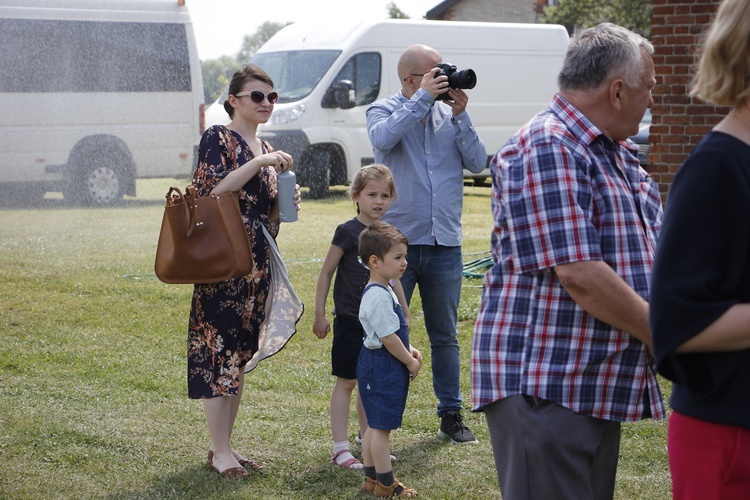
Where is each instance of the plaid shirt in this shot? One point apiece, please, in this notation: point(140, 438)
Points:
point(564, 192)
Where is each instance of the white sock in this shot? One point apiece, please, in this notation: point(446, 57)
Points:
point(342, 447)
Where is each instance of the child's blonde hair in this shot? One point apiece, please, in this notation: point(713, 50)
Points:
point(374, 172)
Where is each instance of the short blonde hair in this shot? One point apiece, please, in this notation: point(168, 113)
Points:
point(722, 75)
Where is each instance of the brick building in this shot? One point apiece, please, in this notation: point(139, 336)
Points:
point(679, 121)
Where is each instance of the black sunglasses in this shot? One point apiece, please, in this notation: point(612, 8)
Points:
point(257, 96)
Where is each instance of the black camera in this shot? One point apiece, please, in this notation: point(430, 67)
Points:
point(464, 79)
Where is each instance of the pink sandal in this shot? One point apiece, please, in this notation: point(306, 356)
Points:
point(350, 463)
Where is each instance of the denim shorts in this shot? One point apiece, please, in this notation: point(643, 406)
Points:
point(383, 386)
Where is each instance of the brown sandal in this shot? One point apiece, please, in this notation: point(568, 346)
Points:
point(234, 472)
point(369, 485)
point(249, 464)
point(397, 489)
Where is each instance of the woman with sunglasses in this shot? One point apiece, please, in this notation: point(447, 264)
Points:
point(226, 317)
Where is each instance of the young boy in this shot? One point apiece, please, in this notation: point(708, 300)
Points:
point(383, 375)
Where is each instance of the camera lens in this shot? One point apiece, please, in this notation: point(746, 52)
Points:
point(464, 79)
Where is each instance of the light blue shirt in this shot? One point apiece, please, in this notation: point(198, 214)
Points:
point(377, 316)
point(427, 161)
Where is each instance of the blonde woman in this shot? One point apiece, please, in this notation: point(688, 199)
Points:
point(700, 301)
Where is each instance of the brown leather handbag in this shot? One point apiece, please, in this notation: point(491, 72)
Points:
point(202, 240)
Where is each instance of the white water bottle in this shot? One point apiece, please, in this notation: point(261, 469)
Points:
point(286, 183)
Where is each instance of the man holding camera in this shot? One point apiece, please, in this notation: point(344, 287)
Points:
point(425, 136)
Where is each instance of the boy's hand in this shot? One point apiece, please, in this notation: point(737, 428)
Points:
point(416, 364)
point(417, 355)
point(413, 367)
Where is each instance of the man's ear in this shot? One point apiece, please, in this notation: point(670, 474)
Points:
point(615, 93)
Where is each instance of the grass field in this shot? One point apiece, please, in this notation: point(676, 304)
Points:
point(93, 372)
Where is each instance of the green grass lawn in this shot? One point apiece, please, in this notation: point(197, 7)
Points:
point(93, 372)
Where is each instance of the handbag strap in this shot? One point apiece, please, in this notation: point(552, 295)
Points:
point(187, 201)
point(190, 206)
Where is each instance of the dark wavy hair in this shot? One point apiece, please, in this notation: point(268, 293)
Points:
point(242, 75)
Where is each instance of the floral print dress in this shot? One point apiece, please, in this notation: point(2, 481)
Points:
point(225, 317)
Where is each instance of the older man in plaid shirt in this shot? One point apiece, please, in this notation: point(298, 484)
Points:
point(561, 349)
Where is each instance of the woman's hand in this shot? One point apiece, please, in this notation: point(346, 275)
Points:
point(278, 159)
point(297, 197)
point(237, 178)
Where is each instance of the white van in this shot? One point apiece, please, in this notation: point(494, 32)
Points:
point(327, 75)
point(95, 94)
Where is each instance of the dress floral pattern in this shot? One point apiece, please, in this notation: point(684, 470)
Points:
point(226, 318)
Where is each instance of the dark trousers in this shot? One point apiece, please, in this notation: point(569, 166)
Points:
point(544, 451)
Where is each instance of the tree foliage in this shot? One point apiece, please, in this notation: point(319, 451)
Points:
point(395, 13)
point(580, 14)
point(217, 72)
point(252, 43)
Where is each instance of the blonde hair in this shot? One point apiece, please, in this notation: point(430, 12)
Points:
point(374, 172)
point(722, 76)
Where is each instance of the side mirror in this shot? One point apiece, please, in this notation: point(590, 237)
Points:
point(340, 95)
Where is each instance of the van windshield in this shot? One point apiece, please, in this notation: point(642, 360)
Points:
point(295, 73)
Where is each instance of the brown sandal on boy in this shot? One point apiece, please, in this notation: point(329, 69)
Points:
point(397, 489)
point(369, 485)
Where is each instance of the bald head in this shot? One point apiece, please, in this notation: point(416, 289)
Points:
point(417, 59)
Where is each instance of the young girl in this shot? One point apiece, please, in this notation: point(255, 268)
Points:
point(387, 361)
point(372, 191)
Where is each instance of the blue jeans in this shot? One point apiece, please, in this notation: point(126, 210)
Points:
point(438, 271)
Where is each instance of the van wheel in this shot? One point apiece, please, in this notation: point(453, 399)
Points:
point(94, 186)
point(319, 174)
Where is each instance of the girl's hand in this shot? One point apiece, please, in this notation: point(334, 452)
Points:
point(321, 327)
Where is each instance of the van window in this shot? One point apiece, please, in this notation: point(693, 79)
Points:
point(364, 71)
point(295, 73)
point(85, 56)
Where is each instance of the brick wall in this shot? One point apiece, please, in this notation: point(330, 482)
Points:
point(679, 121)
